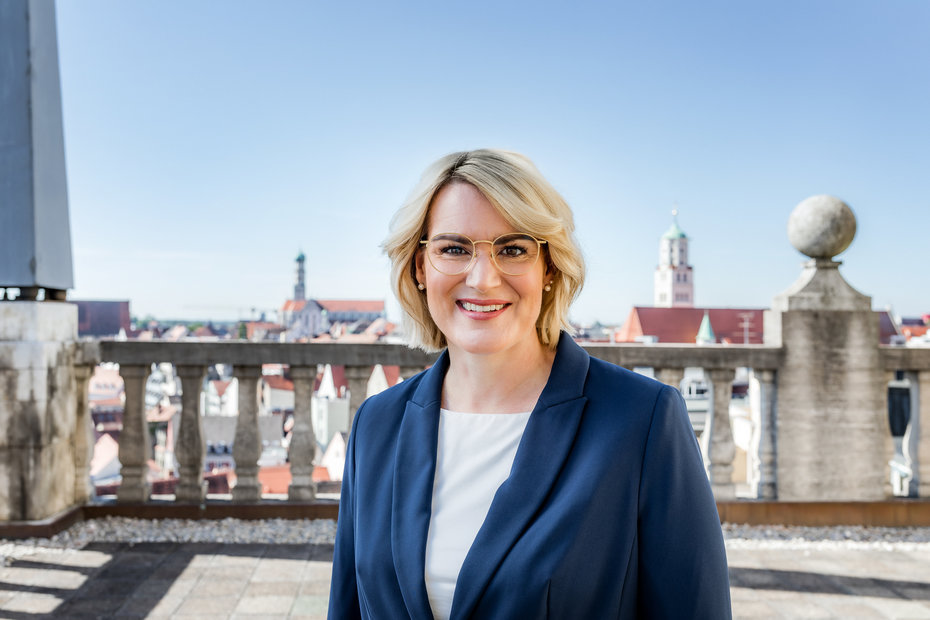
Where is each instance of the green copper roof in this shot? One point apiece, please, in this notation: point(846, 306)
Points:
point(674, 232)
point(705, 333)
point(301, 256)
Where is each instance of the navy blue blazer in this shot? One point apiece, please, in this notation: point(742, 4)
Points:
point(607, 512)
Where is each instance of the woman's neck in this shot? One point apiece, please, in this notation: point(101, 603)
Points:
point(499, 383)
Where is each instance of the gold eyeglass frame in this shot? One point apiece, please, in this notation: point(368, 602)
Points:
point(474, 257)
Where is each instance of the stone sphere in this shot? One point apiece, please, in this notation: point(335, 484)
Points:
point(821, 226)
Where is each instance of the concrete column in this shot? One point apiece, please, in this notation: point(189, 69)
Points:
point(190, 443)
point(83, 435)
point(762, 445)
point(922, 413)
point(717, 439)
point(303, 440)
point(135, 445)
point(357, 378)
point(247, 446)
point(38, 408)
point(671, 376)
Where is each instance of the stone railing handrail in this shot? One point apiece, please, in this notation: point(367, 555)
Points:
point(251, 353)
point(309, 354)
point(904, 358)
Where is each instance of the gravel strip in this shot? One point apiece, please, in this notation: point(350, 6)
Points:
point(323, 531)
point(848, 537)
point(128, 530)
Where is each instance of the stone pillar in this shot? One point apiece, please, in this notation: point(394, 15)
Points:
point(832, 405)
point(717, 439)
point(190, 443)
point(357, 378)
point(35, 235)
point(83, 435)
point(302, 448)
point(247, 446)
point(671, 376)
point(762, 444)
point(922, 413)
point(38, 409)
point(135, 445)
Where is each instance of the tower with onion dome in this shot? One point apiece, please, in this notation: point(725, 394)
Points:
point(674, 277)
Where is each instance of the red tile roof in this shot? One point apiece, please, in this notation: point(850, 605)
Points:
point(220, 387)
point(392, 374)
point(913, 331)
point(350, 305)
point(294, 305)
point(681, 324)
point(277, 382)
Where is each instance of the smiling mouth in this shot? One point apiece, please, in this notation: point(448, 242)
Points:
point(467, 305)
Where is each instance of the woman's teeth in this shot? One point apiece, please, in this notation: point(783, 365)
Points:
point(476, 308)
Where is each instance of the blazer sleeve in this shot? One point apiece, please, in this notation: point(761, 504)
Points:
point(343, 593)
point(682, 559)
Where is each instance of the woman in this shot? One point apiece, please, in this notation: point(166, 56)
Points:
point(518, 477)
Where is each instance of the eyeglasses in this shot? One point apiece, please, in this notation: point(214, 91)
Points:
point(452, 254)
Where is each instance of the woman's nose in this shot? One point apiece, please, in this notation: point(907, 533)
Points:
point(483, 273)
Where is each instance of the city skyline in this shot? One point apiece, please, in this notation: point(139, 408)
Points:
point(207, 146)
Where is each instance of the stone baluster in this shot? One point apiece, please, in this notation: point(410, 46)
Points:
point(922, 421)
point(671, 376)
point(717, 438)
point(357, 378)
point(190, 443)
point(135, 446)
point(408, 371)
point(302, 448)
point(762, 444)
point(247, 445)
point(888, 446)
point(83, 435)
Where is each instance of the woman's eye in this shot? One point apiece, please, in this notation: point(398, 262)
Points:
point(512, 251)
point(453, 250)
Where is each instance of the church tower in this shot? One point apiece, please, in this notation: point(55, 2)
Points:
point(300, 291)
point(674, 280)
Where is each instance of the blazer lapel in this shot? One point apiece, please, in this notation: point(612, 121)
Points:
point(414, 470)
point(546, 443)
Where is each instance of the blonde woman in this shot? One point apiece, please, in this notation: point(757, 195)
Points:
point(518, 477)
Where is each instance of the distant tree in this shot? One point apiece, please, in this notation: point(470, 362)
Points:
point(242, 331)
point(194, 325)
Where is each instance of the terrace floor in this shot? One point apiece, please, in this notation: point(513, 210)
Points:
point(217, 580)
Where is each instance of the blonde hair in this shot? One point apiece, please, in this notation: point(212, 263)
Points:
point(513, 186)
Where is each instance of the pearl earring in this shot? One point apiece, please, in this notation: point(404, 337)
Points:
point(421, 286)
point(548, 287)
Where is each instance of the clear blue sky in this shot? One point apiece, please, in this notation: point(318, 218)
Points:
point(208, 142)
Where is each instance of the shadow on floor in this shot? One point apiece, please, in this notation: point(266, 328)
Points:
point(819, 583)
point(138, 579)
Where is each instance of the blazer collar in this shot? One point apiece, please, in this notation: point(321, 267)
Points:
point(546, 444)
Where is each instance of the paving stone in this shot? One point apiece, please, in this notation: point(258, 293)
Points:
point(273, 588)
point(206, 606)
point(310, 605)
point(264, 604)
point(32, 603)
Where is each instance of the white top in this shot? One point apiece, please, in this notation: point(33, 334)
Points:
point(475, 455)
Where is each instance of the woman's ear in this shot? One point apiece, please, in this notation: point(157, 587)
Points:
point(417, 270)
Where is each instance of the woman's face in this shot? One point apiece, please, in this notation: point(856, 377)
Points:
point(482, 311)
